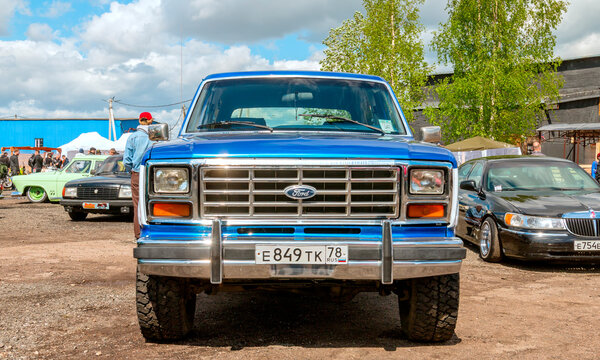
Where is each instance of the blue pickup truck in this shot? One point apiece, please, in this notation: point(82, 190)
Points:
point(302, 181)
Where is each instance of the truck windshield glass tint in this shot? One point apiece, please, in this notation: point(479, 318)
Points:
point(287, 103)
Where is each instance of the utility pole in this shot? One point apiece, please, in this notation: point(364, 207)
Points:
point(111, 121)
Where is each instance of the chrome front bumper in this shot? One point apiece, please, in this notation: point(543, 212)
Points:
point(216, 259)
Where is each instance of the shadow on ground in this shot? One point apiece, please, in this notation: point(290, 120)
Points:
point(255, 319)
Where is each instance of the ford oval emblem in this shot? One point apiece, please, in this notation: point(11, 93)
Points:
point(300, 192)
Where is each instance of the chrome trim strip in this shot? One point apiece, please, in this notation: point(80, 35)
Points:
point(387, 253)
point(142, 219)
point(216, 253)
point(354, 270)
point(454, 212)
point(398, 243)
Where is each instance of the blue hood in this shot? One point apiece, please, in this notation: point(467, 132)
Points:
point(298, 145)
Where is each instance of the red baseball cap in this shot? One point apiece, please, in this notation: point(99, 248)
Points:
point(146, 115)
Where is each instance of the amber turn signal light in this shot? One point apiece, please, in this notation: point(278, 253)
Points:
point(426, 210)
point(171, 210)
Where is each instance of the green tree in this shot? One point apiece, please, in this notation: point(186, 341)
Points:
point(386, 42)
point(504, 67)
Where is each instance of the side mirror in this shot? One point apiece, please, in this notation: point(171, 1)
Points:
point(92, 172)
point(468, 185)
point(431, 134)
point(158, 132)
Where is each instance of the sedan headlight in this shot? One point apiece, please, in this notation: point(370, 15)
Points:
point(171, 180)
point(533, 222)
point(125, 191)
point(427, 181)
point(70, 192)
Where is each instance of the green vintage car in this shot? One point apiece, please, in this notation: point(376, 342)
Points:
point(43, 186)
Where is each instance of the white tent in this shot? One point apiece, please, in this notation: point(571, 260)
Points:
point(86, 141)
point(120, 144)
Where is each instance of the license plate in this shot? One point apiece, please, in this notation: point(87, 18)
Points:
point(283, 254)
point(587, 245)
point(99, 206)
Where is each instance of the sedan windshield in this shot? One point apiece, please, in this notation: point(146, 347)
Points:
point(296, 104)
point(112, 165)
point(538, 175)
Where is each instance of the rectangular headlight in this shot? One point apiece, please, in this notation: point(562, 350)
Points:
point(533, 222)
point(125, 191)
point(171, 180)
point(427, 181)
point(70, 192)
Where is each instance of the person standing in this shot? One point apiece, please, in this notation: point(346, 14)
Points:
point(48, 160)
point(14, 163)
point(64, 161)
point(4, 160)
point(595, 173)
point(537, 149)
point(137, 144)
point(38, 162)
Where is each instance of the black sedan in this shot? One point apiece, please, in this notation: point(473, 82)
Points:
point(107, 192)
point(529, 207)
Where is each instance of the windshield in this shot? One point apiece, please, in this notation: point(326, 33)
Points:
point(112, 165)
point(542, 175)
point(298, 104)
point(78, 166)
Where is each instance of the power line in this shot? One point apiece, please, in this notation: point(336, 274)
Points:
point(152, 106)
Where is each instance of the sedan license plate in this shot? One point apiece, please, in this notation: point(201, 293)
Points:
point(587, 245)
point(306, 254)
point(99, 206)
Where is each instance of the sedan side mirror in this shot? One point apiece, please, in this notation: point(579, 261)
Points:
point(158, 132)
point(431, 134)
point(468, 185)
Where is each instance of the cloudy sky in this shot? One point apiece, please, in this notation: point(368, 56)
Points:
point(65, 58)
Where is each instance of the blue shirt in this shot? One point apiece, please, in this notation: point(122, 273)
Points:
point(137, 144)
point(594, 166)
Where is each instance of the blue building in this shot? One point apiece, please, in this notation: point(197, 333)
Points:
point(56, 132)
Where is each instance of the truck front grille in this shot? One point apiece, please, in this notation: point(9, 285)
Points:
point(358, 192)
point(97, 193)
point(583, 227)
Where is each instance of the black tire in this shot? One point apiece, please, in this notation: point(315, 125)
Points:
point(78, 215)
point(165, 307)
point(429, 313)
point(490, 248)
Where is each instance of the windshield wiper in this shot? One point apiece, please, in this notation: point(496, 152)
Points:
point(341, 118)
point(227, 123)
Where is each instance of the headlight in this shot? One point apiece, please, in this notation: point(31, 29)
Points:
point(533, 222)
point(70, 192)
point(125, 191)
point(171, 180)
point(427, 181)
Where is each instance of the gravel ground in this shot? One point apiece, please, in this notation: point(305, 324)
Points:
point(67, 290)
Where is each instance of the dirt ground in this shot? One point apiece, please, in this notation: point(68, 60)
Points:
point(67, 291)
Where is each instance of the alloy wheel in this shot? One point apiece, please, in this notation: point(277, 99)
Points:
point(485, 239)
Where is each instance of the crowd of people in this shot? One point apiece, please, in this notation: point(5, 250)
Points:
point(39, 162)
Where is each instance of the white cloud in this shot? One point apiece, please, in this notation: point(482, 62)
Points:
point(39, 32)
point(56, 9)
point(579, 33)
point(7, 10)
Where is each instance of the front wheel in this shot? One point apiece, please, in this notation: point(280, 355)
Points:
point(165, 307)
point(489, 244)
point(429, 311)
point(77, 215)
point(37, 194)
point(7, 182)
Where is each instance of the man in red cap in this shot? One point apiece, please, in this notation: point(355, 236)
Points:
point(137, 144)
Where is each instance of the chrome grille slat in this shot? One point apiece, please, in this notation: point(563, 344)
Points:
point(342, 192)
point(583, 227)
